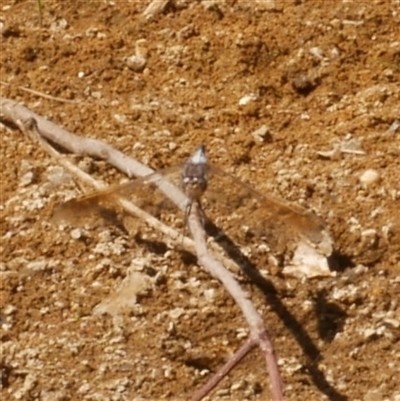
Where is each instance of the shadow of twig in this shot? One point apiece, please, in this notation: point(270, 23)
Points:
point(272, 297)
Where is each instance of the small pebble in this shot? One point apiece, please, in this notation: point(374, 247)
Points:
point(59, 25)
point(369, 177)
point(303, 84)
point(209, 294)
point(172, 146)
point(76, 233)
point(27, 179)
point(9, 310)
point(121, 118)
point(238, 385)
point(136, 63)
point(392, 322)
point(317, 53)
point(37, 265)
point(177, 313)
point(246, 99)
point(394, 127)
point(241, 333)
point(91, 32)
point(27, 173)
point(261, 134)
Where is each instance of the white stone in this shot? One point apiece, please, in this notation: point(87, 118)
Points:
point(246, 99)
point(369, 177)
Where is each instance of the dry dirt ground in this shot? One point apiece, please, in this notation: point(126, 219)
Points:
point(315, 77)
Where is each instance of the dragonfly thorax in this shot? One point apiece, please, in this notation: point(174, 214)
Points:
point(195, 174)
point(194, 180)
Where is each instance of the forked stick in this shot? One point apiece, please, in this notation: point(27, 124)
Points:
point(258, 333)
point(30, 122)
point(30, 128)
point(18, 115)
point(12, 111)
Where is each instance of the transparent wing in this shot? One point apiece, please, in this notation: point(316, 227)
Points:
point(246, 215)
point(146, 193)
point(251, 217)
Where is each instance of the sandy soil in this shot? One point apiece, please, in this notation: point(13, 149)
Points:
point(323, 78)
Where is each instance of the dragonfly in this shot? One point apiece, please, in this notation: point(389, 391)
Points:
point(247, 215)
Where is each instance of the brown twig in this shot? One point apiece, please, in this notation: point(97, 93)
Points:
point(258, 333)
point(20, 116)
point(30, 128)
point(222, 372)
point(41, 94)
point(14, 113)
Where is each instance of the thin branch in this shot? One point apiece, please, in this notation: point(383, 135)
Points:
point(24, 118)
point(12, 111)
point(15, 113)
point(222, 372)
point(259, 333)
point(30, 128)
point(41, 94)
